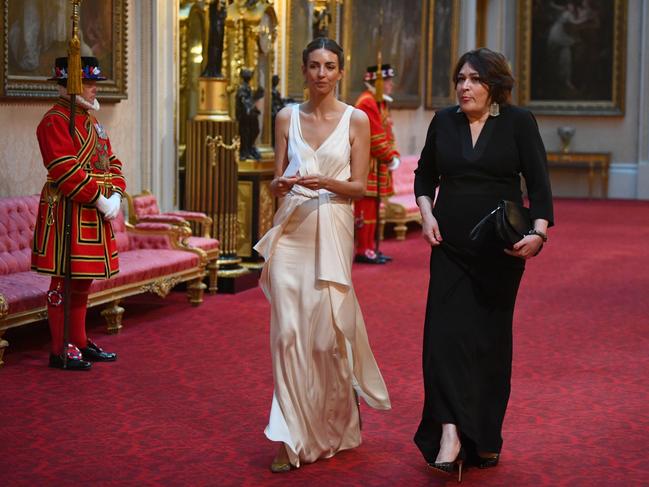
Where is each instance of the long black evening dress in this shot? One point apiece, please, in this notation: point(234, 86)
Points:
point(467, 352)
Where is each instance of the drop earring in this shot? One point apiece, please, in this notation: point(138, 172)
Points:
point(494, 109)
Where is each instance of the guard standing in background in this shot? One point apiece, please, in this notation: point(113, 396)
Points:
point(384, 159)
point(81, 171)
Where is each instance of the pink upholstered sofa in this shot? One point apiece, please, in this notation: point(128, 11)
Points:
point(153, 257)
point(143, 208)
point(401, 208)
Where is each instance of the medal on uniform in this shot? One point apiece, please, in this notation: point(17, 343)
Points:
point(102, 156)
point(99, 128)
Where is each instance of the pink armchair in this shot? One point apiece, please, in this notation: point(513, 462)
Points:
point(143, 208)
point(402, 208)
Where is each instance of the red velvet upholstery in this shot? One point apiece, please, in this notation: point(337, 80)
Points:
point(403, 180)
point(142, 257)
point(24, 290)
point(162, 217)
point(402, 206)
point(144, 208)
point(119, 229)
point(140, 241)
point(137, 262)
point(17, 219)
point(145, 205)
point(406, 200)
point(188, 215)
point(203, 243)
point(141, 264)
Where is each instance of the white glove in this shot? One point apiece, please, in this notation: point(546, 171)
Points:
point(394, 165)
point(115, 201)
point(109, 207)
point(102, 204)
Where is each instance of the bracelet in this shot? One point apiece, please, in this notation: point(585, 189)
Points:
point(543, 236)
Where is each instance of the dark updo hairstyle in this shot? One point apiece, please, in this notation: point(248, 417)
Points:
point(494, 72)
point(324, 43)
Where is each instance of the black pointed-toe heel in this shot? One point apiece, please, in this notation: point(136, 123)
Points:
point(449, 467)
point(488, 462)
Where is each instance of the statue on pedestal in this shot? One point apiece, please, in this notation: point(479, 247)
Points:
point(247, 115)
point(277, 103)
point(321, 21)
point(218, 13)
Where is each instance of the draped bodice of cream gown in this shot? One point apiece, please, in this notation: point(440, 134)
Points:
point(319, 346)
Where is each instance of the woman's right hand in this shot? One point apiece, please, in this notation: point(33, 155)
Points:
point(430, 230)
point(281, 185)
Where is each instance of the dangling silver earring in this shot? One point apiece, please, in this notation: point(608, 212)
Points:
point(494, 109)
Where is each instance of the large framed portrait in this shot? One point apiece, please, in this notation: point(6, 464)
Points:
point(36, 32)
point(572, 56)
point(401, 38)
point(441, 52)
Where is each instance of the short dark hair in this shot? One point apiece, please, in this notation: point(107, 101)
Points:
point(324, 43)
point(494, 72)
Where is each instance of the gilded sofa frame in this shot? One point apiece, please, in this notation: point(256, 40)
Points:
point(113, 312)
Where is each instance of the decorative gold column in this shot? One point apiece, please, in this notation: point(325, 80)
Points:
point(211, 187)
point(223, 162)
point(211, 177)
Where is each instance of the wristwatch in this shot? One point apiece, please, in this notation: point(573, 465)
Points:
point(543, 236)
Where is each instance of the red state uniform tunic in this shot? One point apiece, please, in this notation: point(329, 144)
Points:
point(382, 151)
point(81, 169)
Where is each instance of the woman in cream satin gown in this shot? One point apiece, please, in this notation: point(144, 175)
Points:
point(320, 350)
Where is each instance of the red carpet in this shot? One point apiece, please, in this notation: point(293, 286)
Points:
point(187, 402)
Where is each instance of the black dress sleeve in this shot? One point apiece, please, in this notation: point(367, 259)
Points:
point(534, 166)
point(426, 174)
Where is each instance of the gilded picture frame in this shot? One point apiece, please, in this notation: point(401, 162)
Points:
point(441, 52)
point(572, 57)
point(35, 32)
point(403, 44)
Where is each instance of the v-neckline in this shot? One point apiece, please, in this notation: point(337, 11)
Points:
point(473, 152)
point(299, 128)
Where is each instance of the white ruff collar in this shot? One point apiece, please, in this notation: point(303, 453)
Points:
point(372, 89)
point(80, 100)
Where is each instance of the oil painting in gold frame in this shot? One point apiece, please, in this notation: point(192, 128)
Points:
point(36, 32)
point(572, 56)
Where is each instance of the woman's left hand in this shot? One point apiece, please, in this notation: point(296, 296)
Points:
point(526, 248)
point(313, 181)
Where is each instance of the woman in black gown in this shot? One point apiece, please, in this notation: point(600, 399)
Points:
point(475, 153)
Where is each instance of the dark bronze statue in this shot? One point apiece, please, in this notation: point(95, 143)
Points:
point(247, 115)
point(277, 103)
point(218, 12)
point(321, 21)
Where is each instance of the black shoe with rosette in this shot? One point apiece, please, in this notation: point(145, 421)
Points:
point(368, 257)
point(93, 353)
point(386, 258)
point(74, 360)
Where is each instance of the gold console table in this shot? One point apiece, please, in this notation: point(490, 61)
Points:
point(593, 162)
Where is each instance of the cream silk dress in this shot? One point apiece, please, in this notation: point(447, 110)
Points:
point(319, 346)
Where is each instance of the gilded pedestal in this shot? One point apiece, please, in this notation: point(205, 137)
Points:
point(256, 205)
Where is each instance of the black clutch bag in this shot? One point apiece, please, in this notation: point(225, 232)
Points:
point(509, 223)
